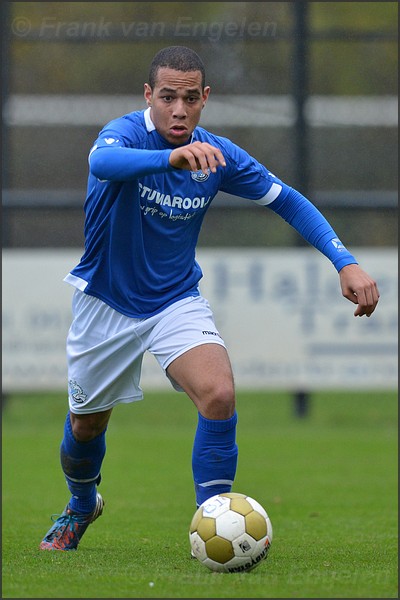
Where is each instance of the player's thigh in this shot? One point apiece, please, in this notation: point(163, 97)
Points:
point(205, 374)
point(104, 359)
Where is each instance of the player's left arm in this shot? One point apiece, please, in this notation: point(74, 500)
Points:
point(245, 176)
point(357, 286)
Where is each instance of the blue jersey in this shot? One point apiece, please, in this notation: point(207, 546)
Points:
point(143, 216)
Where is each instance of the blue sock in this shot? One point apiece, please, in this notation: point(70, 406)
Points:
point(81, 463)
point(214, 458)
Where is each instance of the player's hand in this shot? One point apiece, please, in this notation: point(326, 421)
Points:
point(358, 287)
point(198, 156)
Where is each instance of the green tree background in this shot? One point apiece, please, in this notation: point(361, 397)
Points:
point(87, 48)
point(258, 65)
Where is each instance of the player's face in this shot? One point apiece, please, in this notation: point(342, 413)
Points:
point(176, 101)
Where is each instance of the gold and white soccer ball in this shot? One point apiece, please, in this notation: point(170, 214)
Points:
point(230, 533)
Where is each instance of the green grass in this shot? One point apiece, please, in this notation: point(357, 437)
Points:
point(328, 482)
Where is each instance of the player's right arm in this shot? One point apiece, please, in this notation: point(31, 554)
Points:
point(115, 162)
point(111, 160)
point(121, 153)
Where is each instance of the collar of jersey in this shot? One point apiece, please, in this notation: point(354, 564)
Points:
point(151, 127)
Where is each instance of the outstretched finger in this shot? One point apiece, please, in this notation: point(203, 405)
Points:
point(192, 160)
point(213, 156)
point(203, 160)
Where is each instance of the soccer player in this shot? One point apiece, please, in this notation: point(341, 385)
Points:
point(152, 177)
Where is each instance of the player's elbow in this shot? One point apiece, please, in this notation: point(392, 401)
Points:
point(99, 165)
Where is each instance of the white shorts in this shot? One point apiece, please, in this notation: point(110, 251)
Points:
point(105, 348)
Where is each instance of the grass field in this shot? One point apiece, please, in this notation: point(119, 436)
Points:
point(328, 482)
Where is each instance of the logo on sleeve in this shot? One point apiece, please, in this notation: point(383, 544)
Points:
point(110, 140)
point(338, 244)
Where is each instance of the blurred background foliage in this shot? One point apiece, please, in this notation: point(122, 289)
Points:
point(258, 65)
point(105, 49)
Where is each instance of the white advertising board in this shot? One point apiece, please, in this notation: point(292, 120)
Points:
point(280, 312)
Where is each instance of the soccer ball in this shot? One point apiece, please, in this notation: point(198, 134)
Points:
point(230, 533)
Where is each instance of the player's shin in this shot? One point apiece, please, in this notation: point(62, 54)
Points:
point(214, 458)
point(81, 463)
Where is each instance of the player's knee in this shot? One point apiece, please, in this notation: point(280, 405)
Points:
point(219, 403)
point(86, 427)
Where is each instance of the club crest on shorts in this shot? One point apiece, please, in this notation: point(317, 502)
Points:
point(199, 175)
point(76, 392)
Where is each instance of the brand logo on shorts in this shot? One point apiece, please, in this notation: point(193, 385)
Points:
point(199, 175)
point(76, 392)
point(205, 332)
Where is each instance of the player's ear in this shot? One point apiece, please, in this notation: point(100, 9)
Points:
point(206, 93)
point(148, 94)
